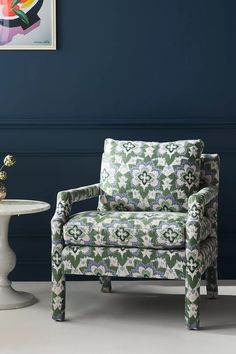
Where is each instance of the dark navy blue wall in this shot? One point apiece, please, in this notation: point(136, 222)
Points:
point(151, 70)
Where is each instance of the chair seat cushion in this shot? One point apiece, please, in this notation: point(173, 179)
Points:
point(158, 230)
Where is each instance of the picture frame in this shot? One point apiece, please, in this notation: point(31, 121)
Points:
point(28, 25)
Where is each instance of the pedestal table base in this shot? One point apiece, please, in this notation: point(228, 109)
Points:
point(12, 299)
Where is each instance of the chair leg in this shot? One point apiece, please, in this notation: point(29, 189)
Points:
point(106, 284)
point(211, 281)
point(193, 271)
point(192, 305)
point(58, 299)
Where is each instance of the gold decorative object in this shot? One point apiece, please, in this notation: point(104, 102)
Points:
point(3, 175)
point(3, 191)
point(8, 161)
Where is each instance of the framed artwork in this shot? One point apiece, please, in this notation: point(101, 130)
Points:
point(27, 24)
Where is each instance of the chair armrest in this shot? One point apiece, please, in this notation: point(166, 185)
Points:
point(198, 201)
point(65, 199)
point(196, 207)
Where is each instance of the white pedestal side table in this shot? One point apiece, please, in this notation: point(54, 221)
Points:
point(9, 297)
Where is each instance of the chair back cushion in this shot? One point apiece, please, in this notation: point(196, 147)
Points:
point(149, 176)
point(209, 176)
point(210, 168)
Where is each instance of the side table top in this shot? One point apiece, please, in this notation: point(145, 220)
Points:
point(21, 206)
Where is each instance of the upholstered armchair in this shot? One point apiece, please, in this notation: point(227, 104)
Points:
point(156, 218)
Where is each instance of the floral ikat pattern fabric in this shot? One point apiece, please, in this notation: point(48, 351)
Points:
point(134, 262)
point(196, 205)
point(159, 230)
point(149, 176)
point(134, 256)
point(65, 199)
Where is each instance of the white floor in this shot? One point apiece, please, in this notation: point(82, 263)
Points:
point(138, 317)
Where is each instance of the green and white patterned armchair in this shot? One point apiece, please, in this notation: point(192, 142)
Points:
point(156, 218)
